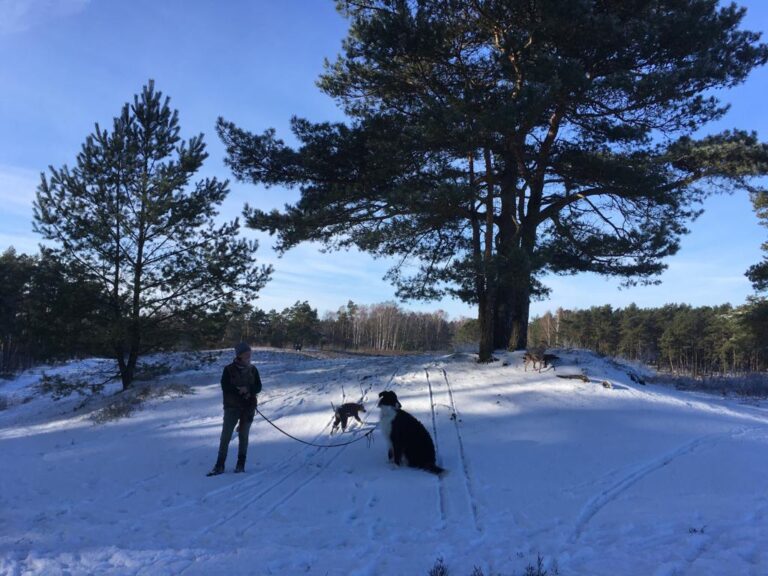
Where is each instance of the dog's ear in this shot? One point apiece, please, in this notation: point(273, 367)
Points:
point(381, 394)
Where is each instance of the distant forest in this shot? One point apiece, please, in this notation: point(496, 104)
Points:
point(707, 340)
point(49, 312)
point(384, 327)
point(52, 312)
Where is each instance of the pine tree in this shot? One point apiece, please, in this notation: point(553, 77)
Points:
point(758, 273)
point(302, 325)
point(496, 141)
point(16, 271)
point(129, 215)
point(48, 311)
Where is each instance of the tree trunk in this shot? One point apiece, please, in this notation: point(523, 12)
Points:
point(487, 299)
point(485, 318)
point(512, 307)
point(519, 317)
point(127, 366)
point(507, 242)
point(130, 372)
point(502, 320)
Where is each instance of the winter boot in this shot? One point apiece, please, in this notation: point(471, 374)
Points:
point(240, 467)
point(217, 469)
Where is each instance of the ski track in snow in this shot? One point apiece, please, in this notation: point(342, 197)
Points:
point(605, 497)
point(250, 482)
point(458, 504)
point(440, 481)
point(468, 483)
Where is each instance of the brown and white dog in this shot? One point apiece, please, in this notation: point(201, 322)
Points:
point(343, 413)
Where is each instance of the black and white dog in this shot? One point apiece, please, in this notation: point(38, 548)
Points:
point(408, 439)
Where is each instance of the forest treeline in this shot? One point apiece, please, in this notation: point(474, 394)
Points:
point(51, 312)
point(384, 327)
point(696, 341)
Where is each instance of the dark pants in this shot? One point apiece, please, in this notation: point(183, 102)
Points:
point(231, 418)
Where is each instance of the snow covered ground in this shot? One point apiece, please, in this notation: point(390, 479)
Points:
point(626, 480)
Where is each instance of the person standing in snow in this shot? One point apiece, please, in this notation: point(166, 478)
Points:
point(240, 385)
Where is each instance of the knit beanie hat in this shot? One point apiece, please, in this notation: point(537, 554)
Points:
point(241, 348)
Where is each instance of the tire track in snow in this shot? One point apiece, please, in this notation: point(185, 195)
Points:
point(309, 453)
point(454, 487)
point(441, 482)
point(243, 483)
point(225, 489)
point(468, 484)
point(597, 503)
point(250, 483)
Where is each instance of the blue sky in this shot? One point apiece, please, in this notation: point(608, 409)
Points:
point(66, 64)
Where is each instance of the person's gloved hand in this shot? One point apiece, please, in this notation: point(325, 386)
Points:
point(243, 390)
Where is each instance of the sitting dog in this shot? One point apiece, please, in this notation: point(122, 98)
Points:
point(407, 437)
point(343, 413)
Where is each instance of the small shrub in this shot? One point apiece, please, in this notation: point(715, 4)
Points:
point(151, 371)
point(129, 401)
point(120, 408)
point(60, 387)
point(209, 358)
point(172, 390)
point(439, 569)
point(539, 569)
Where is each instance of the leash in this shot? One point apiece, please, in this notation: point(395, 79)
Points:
point(367, 436)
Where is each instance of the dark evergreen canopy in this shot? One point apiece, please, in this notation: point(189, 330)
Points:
point(758, 273)
point(495, 140)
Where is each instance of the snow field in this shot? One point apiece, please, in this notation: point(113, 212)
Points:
point(630, 480)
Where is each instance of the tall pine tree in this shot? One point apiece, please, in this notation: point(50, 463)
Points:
point(758, 273)
point(129, 215)
point(494, 141)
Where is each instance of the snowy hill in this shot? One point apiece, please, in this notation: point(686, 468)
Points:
point(625, 480)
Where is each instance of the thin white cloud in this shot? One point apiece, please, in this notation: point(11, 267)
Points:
point(18, 16)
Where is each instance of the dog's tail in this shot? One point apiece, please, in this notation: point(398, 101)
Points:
point(435, 469)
